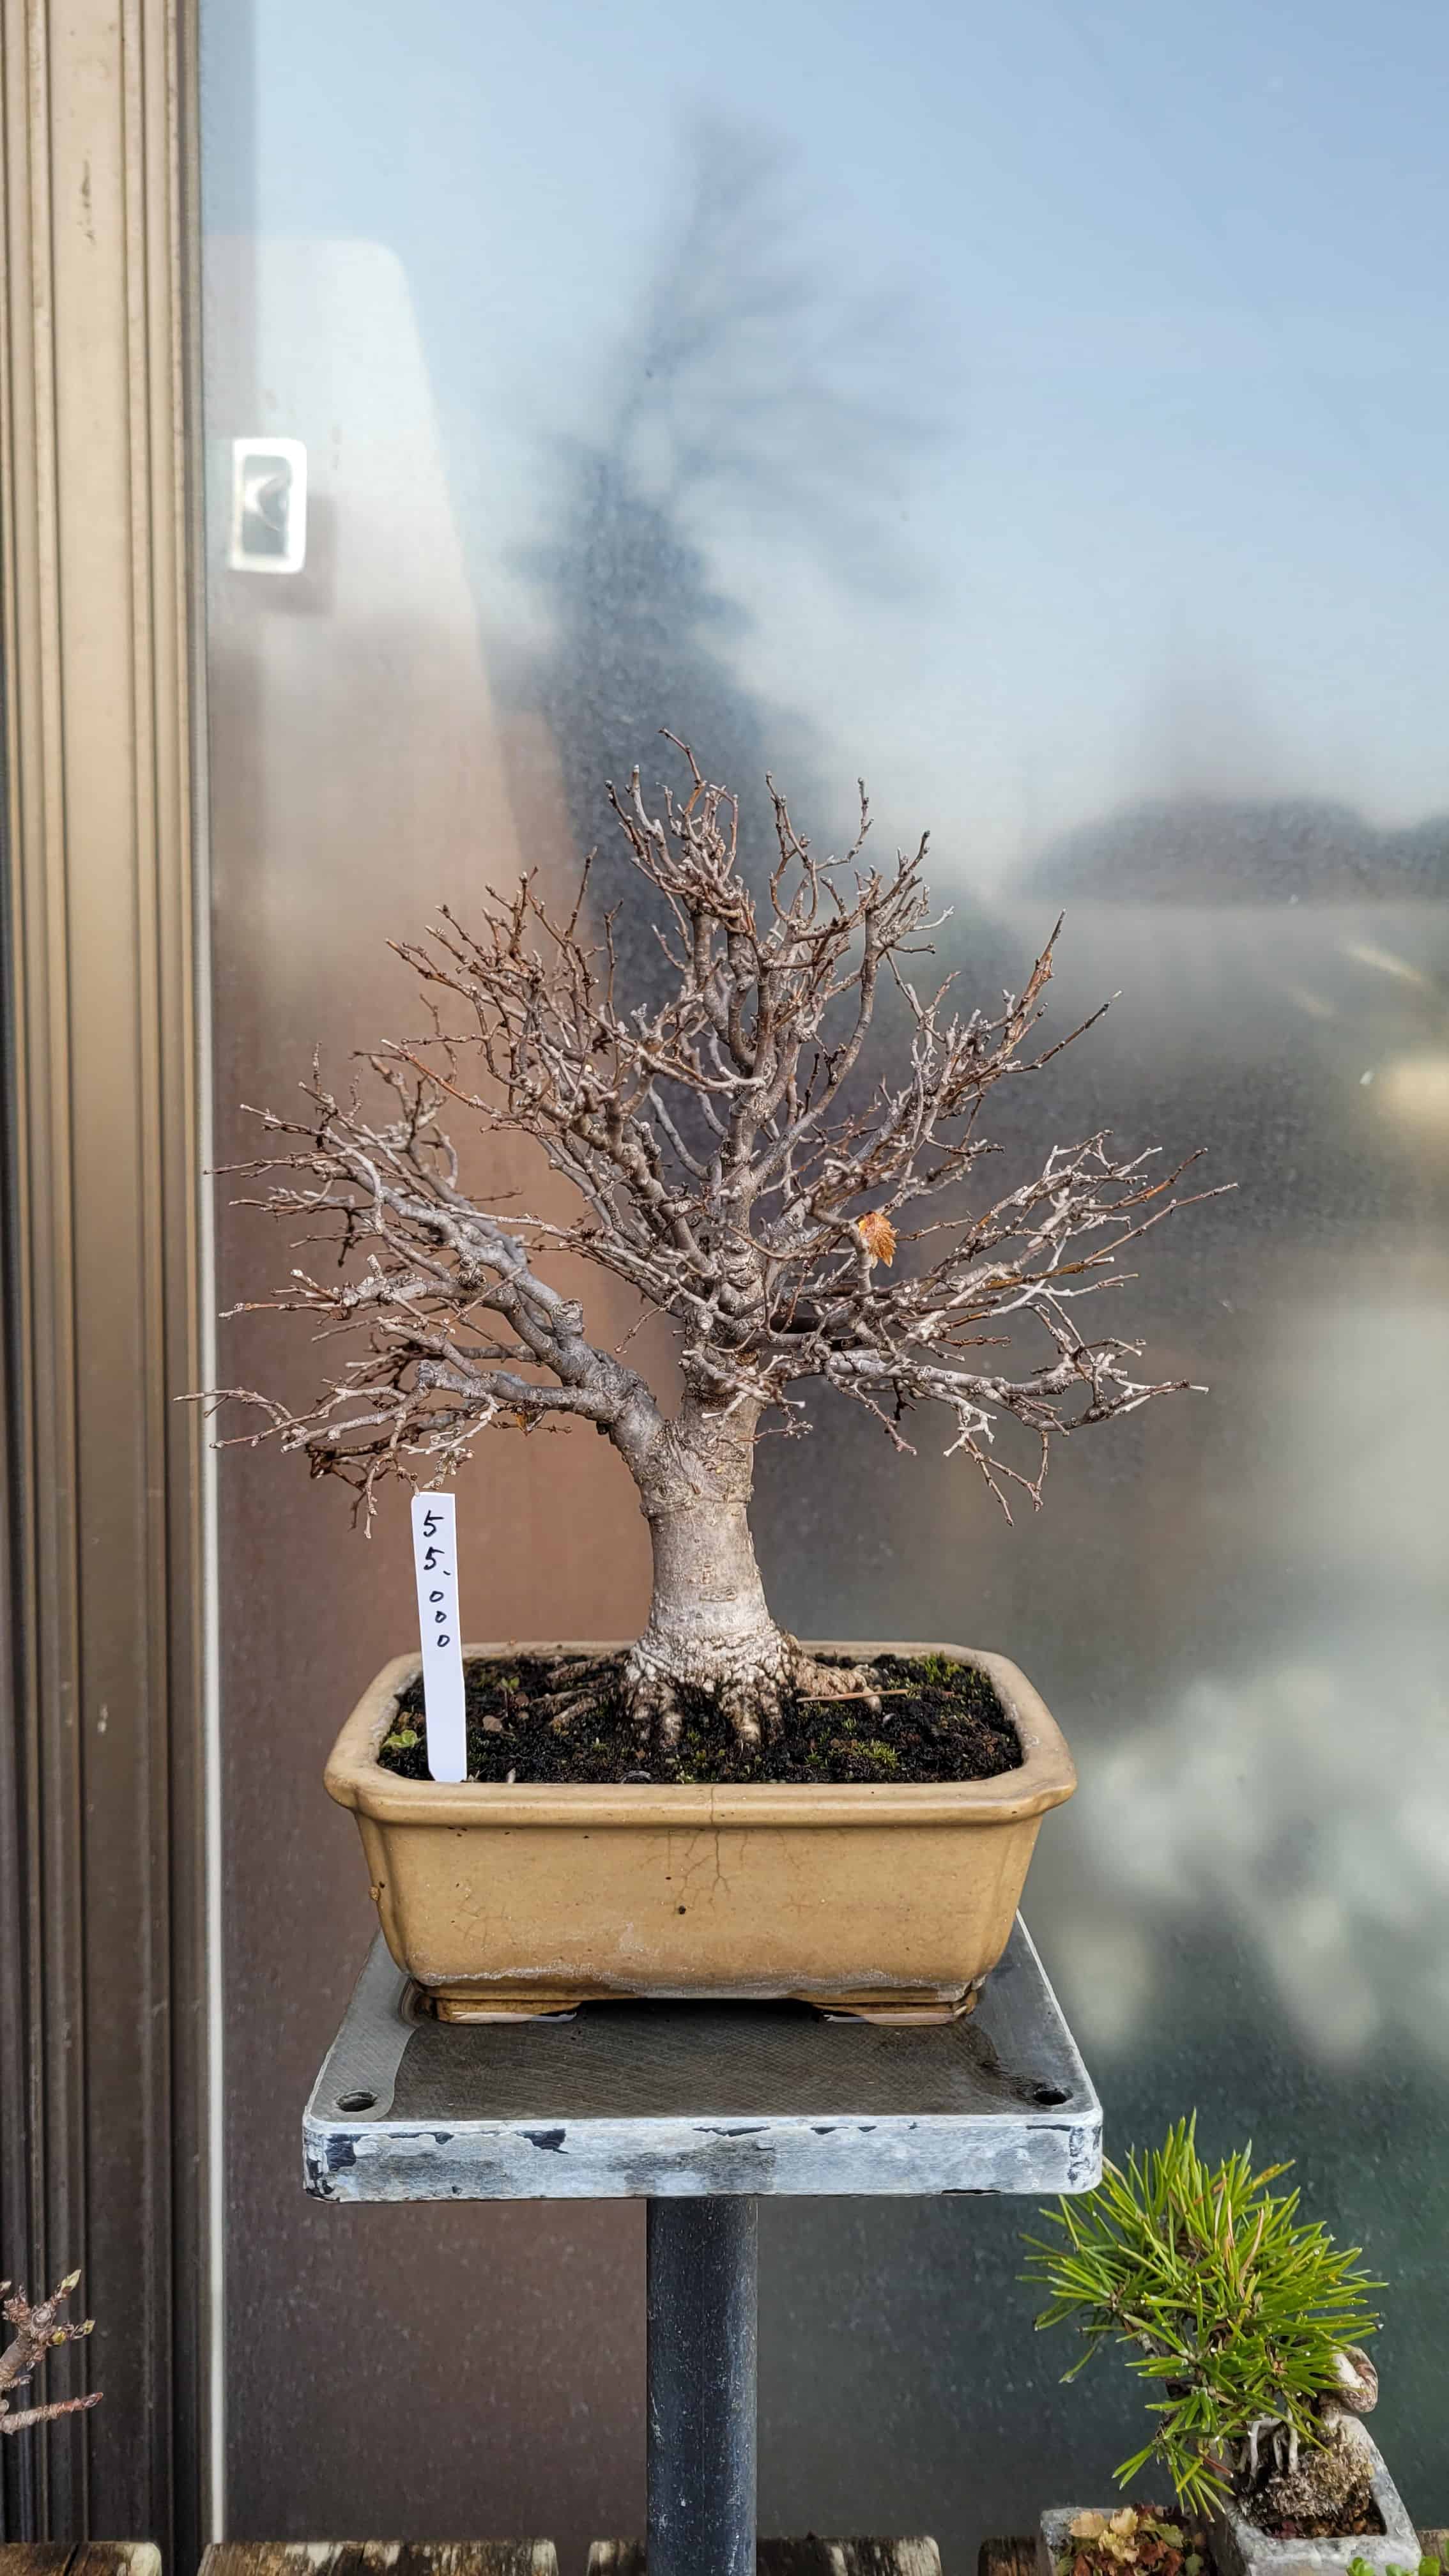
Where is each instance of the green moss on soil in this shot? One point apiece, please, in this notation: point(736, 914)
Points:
point(938, 1721)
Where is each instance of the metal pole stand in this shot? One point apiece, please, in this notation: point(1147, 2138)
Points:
point(703, 2341)
point(701, 2109)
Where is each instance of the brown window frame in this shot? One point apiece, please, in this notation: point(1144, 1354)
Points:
point(105, 2145)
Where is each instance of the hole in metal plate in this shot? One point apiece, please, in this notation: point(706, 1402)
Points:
point(365, 2101)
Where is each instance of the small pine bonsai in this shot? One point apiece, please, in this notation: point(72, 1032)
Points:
point(1245, 2318)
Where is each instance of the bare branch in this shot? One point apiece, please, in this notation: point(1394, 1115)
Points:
point(724, 1146)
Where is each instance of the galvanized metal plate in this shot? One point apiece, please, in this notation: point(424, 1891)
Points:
point(671, 2099)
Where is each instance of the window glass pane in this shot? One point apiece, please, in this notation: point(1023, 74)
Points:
point(1038, 411)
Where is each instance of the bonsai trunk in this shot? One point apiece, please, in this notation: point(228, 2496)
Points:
point(709, 1625)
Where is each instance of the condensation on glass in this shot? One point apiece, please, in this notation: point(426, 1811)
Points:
point(1037, 412)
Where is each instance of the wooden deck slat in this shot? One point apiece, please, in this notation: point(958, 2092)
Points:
point(379, 2558)
point(1009, 2555)
point(90, 2558)
point(810, 2556)
point(114, 2558)
point(1012, 2556)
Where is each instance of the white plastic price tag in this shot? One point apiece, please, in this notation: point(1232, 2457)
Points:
point(435, 1563)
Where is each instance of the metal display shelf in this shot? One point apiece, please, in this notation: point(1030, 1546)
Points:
point(701, 2110)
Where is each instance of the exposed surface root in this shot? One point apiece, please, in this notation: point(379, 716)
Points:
point(577, 1699)
point(571, 1672)
point(753, 1711)
point(810, 1679)
point(756, 1702)
point(654, 1711)
point(755, 1697)
point(569, 1710)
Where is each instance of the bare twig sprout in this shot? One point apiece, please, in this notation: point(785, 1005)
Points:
point(38, 2330)
point(736, 1167)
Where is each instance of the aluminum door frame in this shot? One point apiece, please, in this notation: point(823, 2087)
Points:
point(106, 1818)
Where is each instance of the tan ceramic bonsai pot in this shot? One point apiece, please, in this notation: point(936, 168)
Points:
point(888, 1902)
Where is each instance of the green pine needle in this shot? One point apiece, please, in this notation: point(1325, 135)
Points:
point(1234, 2308)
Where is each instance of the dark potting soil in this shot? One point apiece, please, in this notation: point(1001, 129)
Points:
point(936, 1721)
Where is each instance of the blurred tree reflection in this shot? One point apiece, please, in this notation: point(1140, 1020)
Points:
point(738, 402)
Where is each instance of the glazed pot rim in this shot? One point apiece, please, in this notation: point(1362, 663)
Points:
point(1045, 1777)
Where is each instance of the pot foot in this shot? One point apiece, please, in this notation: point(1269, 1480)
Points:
point(906, 2012)
point(479, 2008)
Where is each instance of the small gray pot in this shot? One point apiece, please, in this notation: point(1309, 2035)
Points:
point(1240, 2549)
point(1053, 2530)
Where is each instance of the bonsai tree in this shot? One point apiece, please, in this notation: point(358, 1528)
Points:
point(1243, 2316)
point(734, 1164)
point(38, 2330)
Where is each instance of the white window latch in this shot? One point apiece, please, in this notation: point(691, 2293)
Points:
point(268, 505)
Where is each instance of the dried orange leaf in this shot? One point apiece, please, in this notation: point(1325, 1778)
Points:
point(878, 1235)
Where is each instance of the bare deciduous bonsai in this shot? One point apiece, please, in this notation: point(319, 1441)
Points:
point(735, 1167)
point(38, 2330)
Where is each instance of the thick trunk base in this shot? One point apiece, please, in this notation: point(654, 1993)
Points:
point(710, 1628)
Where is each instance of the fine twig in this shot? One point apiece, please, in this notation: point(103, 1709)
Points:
point(38, 2331)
